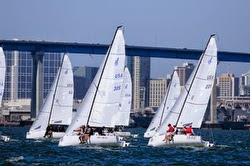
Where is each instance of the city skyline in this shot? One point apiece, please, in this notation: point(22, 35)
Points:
point(173, 25)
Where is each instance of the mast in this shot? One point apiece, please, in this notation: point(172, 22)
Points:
point(57, 81)
point(99, 81)
point(191, 85)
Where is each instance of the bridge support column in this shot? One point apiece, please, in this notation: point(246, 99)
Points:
point(213, 106)
point(37, 84)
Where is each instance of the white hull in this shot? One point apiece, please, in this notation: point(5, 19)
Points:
point(96, 139)
point(189, 140)
point(40, 135)
point(4, 138)
point(123, 134)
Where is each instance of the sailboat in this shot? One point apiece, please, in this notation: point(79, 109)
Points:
point(123, 114)
point(169, 100)
point(102, 99)
point(2, 83)
point(190, 107)
point(56, 112)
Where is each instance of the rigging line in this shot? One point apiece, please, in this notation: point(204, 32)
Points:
point(99, 81)
point(57, 81)
point(201, 59)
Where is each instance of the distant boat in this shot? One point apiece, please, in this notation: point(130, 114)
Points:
point(101, 102)
point(191, 105)
point(2, 83)
point(169, 100)
point(123, 115)
point(56, 112)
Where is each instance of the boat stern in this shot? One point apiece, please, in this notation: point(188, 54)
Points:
point(35, 135)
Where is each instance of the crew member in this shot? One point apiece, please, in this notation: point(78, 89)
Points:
point(189, 130)
point(170, 133)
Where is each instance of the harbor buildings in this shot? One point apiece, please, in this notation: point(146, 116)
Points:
point(139, 68)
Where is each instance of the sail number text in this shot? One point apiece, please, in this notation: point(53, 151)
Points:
point(116, 88)
point(119, 75)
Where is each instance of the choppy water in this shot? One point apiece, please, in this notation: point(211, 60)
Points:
point(233, 147)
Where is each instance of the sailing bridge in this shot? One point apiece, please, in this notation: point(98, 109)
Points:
point(38, 48)
point(232, 103)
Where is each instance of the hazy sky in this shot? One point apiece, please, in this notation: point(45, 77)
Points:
point(165, 23)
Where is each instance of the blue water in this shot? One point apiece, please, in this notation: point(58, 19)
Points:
point(233, 147)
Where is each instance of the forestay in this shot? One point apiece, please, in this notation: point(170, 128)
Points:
point(123, 114)
point(192, 102)
point(2, 73)
point(172, 94)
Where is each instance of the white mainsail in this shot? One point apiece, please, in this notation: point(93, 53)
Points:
point(191, 105)
point(63, 102)
point(102, 99)
point(172, 94)
point(123, 115)
point(57, 108)
point(2, 73)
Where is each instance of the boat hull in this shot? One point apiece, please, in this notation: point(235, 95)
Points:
point(4, 138)
point(96, 139)
point(123, 134)
point(40, 135)
point(182, 140)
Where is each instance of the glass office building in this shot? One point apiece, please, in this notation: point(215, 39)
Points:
point(18, 82)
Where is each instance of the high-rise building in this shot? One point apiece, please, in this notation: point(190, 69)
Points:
point(228, 85)
point(18, 82)
point(157, 91)
point(184, 72)
point(139, 68)
point(83, 76)
point(245, 84)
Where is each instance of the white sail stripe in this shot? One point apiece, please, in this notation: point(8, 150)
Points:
point(196, 103)
point(206, 55)
point(205, 79)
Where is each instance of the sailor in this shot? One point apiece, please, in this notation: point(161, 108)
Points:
point(81, 134)
point(170, 133)
point(87, 133)
point(183, 130)
point(48, 132)
point(189, 130)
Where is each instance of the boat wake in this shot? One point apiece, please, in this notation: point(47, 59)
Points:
point(15, 159)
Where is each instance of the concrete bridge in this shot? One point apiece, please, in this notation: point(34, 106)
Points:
point(38, 48)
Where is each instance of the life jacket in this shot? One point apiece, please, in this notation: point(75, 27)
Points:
point(171, 129)
point(189, 130)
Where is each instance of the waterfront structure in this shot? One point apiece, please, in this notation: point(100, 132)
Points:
point(184, 72)
point(157, 90)
point(245, 84)
point(139, 68)
point(19, 66)
point(83, 76)
point(228, 86)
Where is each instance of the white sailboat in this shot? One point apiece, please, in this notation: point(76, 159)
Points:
point(123, 114)
point(2, 83)
point(169, 100)
point(56, 111)
point(191, 105)
point(102, 99)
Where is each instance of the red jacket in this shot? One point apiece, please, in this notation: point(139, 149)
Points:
point(189, 130)
point(170, 129)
